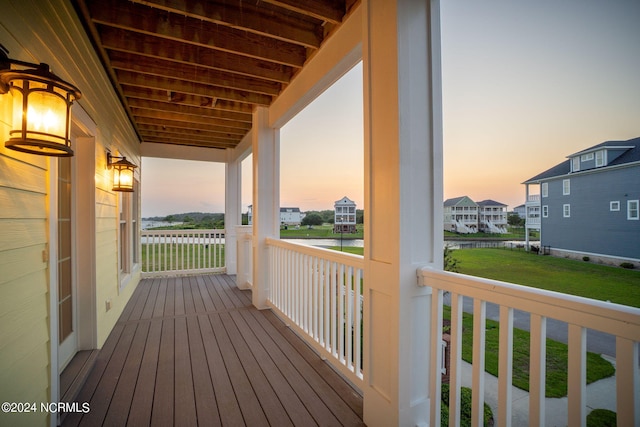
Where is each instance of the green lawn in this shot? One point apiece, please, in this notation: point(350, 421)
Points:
point(600, 282)
point(557, 274)
point(181, 257)
point(557, 360)
point(319, 232)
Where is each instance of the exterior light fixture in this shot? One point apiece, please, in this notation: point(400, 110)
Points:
point(41, 108)
point(122, 173)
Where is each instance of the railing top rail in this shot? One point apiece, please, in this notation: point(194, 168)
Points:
point(327, 254)
point(616, 319)
point(183, 231)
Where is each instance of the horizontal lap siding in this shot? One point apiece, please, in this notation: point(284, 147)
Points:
point(24, 297)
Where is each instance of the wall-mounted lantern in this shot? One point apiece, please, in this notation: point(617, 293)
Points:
point(122, 173)
point(41, 107)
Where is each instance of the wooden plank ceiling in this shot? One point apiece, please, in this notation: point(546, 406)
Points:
point(190, 72)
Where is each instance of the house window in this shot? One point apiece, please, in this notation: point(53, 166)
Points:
point(587, 157)
point(544, 189)
point(545, 211)
point(600, 160)
point(125, 209)
point(614, 206)
point(575, 164)
point(566, 187)
point(633, 209)
point(566, 211)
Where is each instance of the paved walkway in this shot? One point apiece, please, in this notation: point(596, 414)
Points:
point(600, 395)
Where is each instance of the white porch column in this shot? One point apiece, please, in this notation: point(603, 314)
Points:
point(232, 210)
point(403, 204)
point(266, 199)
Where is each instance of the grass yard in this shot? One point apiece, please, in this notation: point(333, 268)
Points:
point(557, 363)
point(319, 232)
point(557, 274)
point(181, 257)
point(600, 282)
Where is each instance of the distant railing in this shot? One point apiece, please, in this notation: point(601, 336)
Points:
point(533, 198)
point(320, 292)
point(178, 252)
point(580, 314)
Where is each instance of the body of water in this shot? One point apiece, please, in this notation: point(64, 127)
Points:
point(151, 224)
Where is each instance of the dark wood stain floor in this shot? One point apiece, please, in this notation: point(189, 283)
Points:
point(193, 351)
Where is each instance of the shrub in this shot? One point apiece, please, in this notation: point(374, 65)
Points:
point(465, 408)
point(626, 265)
point(601, 418)
point(585, 258)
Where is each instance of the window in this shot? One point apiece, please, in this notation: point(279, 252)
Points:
point(586, 157)
point(544, 189)
point(575, 164)
point(125, 206)
point(633, 209)
point(600, 160)
point(566, 187)
point(566, 211)
point(614, 206)
point(545, 211)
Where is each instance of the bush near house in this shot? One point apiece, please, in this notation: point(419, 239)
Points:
point(465, 408)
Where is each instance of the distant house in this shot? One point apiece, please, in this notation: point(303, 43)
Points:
point(344, 216)
point(521, 211)
point(461, 215)
point(590, 203)
point(492, 217)
point(288, 216)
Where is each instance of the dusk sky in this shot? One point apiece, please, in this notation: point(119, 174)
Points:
point(525, 84)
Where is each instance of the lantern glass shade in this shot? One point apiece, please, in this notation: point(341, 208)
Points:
point(41, 113)
point(123, 175)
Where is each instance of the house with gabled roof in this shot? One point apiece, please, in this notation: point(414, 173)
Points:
point(461, 215)
point(589, 204)
point(492, 216)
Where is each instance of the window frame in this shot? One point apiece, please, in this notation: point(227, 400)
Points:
point(544, 189)
point(545, 211)
point(614, 206)
point(566, 210)
point(566, 187)
point(635, 210)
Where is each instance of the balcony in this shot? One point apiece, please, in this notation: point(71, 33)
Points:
point(193, 351)
point(319, 295)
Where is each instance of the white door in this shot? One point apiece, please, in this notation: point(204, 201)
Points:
point(67, 318)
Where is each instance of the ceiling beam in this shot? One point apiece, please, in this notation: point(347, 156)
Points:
point(185, 99)
point(209, 127)
point(176, 85)
point(116, 39)
point(187, 118)
point(188, 72)
point(189, 110)
point(248, 17)
point(324, 10)
point(144, 20)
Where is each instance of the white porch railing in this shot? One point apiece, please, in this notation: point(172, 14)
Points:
point(175, 252)
point(320, 292)
point(580, 314)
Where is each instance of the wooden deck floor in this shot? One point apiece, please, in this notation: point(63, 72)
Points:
point(193, 351)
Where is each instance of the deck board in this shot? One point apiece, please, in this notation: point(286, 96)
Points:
point(194, 351)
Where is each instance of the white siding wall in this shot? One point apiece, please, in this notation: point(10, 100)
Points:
point(37, 31)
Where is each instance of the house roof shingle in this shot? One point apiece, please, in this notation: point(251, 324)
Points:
point(631, 155)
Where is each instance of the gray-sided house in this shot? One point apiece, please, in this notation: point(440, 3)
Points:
point(589, 204)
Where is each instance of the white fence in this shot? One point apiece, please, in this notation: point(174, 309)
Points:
point(580, 314)
point(320, 292)
point(176, 252)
